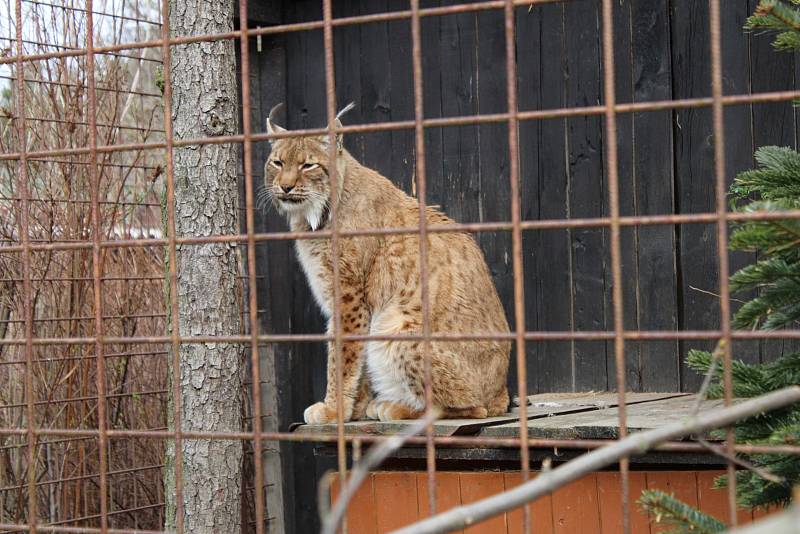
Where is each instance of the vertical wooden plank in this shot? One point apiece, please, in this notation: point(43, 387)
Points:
point(376, 97)
point(554, 361)
point(587, 191)
point(494, 202)
point(268, 86)
point(433, 97)
point(529, 50)
point(623, 81)
point(541, 510)
point(479, 485)
point(694, 166)
point(681, 484)
point(694, 161)
point(760, 512)
point(395, 499)
point(402, 91)
point(448, 492)
point(347, 58)
point(658, 366)
point(576, 507)
point(361, 516)
point(739, 129)
point(610, 498)
point(715, 501)
point(459, 86)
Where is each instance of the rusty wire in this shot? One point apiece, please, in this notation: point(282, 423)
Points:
point(722, 241)
point(419, 146)
point(609, 109)
point(82, 86)
point(255, 362)
point(610, 143)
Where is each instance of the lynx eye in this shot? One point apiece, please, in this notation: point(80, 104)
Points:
point(278, 164)
point(308, 166)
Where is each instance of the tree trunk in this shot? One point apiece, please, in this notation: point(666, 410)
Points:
point(204, 103)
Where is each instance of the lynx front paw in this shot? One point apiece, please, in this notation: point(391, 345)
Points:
point(319, 413)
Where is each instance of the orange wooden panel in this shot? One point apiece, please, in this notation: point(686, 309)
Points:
point(477, 486)
point(541, 510)
point(448, 492)
point(361, 511)
point(760, 512)
point(575, 507)
point(395, 500)
point(609, 491)
point(715, 501)
point(681, 484)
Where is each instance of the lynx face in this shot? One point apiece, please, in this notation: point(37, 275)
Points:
point(297, 176)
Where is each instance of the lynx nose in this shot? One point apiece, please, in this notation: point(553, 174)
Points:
point(287, 188)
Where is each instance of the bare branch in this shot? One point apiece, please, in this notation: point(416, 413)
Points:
point(763, 473)
point(634, 444)
point(701, 394)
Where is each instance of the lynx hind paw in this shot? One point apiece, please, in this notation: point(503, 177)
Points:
point(320, 413)
point(372, 410)
point(391, 411)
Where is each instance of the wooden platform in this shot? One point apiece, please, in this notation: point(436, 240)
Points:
point(553, 407)
point(397, 494)
point(644, 411)
point(567, 416)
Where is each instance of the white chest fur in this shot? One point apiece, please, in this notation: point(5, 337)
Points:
point(318, 275)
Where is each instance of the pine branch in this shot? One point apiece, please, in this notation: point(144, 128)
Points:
point(748, 380)
point(774, 15)
point(784, 372)
point(753, 490)
point(671, 511)
point(764, 272)
point(774, 179)
point(777, 306)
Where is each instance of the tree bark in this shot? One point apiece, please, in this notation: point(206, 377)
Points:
point(204, 104)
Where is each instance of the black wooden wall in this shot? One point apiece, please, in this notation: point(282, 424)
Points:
point(665, 163)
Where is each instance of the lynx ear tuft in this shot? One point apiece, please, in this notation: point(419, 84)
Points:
point(345, 109)
point(338, 124)
point(273, 128)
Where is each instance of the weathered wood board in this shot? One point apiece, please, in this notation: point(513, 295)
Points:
point(541, 406)
point(604, 423)
point(556, 403)
point(444, 427)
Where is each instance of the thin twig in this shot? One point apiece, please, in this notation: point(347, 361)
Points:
point(707, 292)
point(701, 394)
point(716, 356)
point(760, 471)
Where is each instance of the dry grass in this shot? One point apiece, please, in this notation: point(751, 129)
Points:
point(130, 185)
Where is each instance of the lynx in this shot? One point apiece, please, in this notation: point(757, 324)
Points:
point(381, 293)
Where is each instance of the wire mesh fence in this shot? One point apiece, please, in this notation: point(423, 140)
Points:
point(89, 244)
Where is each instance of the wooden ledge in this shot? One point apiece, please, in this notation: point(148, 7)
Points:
point(591, 415)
